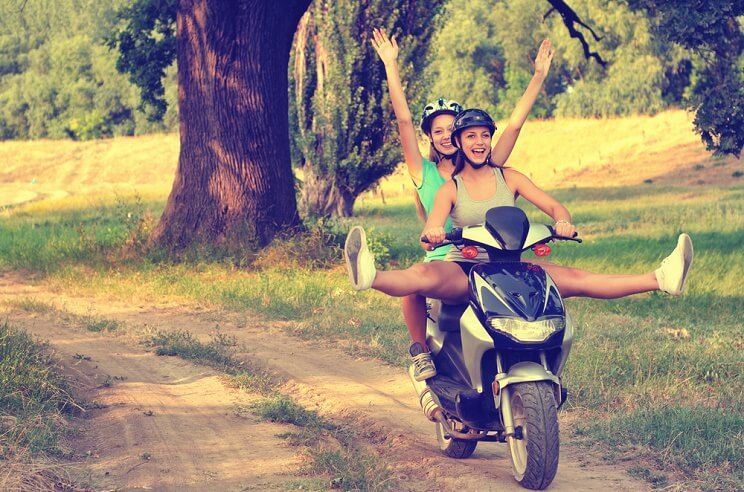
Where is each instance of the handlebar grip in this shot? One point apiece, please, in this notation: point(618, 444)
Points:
point(454, 235)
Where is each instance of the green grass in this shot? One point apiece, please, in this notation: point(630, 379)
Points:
point(34, 399)
point(33, 394)
point(628, 360)
point(219, 353)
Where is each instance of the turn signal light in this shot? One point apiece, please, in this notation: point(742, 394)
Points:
point(541, 250)
point(469, 252)
point(496, 388)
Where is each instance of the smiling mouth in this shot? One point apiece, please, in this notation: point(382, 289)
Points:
point(479, 152)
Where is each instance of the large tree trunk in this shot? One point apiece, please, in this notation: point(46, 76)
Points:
point(321, 195)
point(234, 184)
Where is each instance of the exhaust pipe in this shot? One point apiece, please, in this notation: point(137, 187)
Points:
point(426, 398)
point(434, 412)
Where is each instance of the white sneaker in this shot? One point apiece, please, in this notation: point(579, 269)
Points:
point(359, 261)
point(672, 273)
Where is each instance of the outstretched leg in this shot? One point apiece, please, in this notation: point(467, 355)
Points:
point(669, 277)
point(573, 282)
point(442, 280)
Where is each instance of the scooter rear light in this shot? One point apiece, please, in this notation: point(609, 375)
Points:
point(469, 252)
point(541, 250)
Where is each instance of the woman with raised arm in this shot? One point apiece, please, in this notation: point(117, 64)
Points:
point(478, 185)
point(430, 174)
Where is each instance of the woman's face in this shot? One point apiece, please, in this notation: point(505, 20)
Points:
point(475, 142)
point(441, 129)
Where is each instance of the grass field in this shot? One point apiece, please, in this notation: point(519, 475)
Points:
point(647, 374)
point(34, 398)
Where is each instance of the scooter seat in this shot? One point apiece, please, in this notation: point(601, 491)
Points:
point(449, 316)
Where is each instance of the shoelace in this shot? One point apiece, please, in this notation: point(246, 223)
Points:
point(422, 361)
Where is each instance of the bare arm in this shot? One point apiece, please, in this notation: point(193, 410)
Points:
point(522, 185)
point(387, 49)
point(504, 146)
point(443, 202)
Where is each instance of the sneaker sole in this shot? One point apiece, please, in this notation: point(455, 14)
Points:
point(425, 375)
point(355, 241)
point(686, 243)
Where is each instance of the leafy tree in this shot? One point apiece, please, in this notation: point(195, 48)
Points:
point(234, 184)
point(345, 140)
point(56, 78)
point(713, 31)
point(484, 53)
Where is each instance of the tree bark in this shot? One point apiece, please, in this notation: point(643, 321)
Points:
point(234, 185)
point(322, 197)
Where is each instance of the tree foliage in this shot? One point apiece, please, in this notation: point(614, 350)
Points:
point(495, 41)
point(57, 79)
point(345, 138)
point(145, 38)
point(713, 31)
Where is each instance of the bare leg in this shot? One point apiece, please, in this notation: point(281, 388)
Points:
point(414, 313)
point(439, 279)
point(573, 282)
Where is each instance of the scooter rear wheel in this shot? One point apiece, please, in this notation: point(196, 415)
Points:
point(535, 455)
point(452, 447)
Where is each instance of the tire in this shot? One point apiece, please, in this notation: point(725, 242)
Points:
point(535, 456)
point(452, 447)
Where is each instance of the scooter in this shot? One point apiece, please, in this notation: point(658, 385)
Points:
point(500, 357)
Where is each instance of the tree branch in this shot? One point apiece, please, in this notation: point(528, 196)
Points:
point(571, 19)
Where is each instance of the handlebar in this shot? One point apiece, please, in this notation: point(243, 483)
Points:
point(452, 236)
point(455, 235)
point(564, 238)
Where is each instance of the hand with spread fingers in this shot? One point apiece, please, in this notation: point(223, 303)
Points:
point(543, 58)
point(386, 47)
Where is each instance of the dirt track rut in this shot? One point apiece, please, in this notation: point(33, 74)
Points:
point(196, 439)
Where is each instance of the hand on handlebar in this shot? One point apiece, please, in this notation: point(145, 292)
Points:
point(564, 228)
point(431, 237)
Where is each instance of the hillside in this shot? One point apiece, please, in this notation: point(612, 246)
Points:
point(555, 153)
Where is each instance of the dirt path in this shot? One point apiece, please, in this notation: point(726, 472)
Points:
point(195, 438)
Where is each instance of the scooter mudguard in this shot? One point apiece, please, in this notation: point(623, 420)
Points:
point(523, 372)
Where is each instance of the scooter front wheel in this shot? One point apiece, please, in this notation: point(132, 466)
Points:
point(452, 447)
point(534, 449)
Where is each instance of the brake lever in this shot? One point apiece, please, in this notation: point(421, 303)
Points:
point(564, 238)
point(423, 239)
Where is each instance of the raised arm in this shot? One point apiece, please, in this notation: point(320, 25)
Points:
point(387, 49)
point(522, 185)
point(504, 146)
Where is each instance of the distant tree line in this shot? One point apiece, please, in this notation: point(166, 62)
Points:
point(59, 80)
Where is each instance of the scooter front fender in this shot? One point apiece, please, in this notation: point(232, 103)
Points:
point(523, 372)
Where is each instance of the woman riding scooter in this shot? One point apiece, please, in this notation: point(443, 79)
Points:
point(478, 185)
point(430, 174)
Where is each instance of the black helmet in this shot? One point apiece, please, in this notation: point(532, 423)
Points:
point(435, 108)
point(469, 118)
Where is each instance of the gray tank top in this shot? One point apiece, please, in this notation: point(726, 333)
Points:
point(467, 211)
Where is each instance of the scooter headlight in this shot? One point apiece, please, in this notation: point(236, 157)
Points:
point(527, 331)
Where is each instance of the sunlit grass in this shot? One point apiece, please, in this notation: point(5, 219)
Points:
point(634, 359)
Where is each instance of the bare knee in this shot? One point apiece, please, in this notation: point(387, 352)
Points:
point(426, 278)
